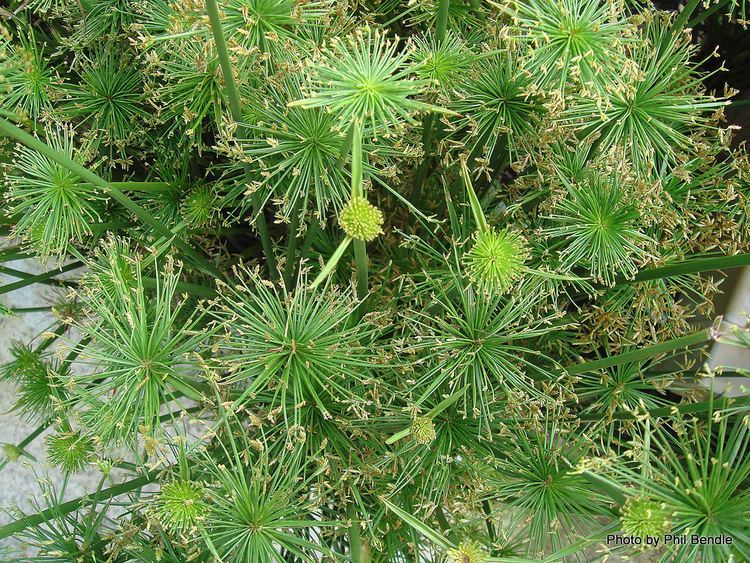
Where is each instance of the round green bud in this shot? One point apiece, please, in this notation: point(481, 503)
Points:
point(423, 430)
point(496, 261)
point(12, 452)
point(361, 220)
point(467, 552)
point(642, 517)
point(181, 504)
point(70, 451)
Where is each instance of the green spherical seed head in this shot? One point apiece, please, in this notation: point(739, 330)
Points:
point(496, 260)
point(642, 517)
point(467, 552)
point(361, 220)
point(423, 430)
point(181, 504)
point(70, 451)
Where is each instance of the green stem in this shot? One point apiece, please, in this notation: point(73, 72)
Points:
point(360, 248)
point(689, 266)
point(332, 261)
point(689, 408)
point(700, 18)
point(345, 147)
point(476, 207)
point(612, 490)
point(144, 186)
point(428, 123)
point(230, 89)
point(30, 309)
point(444, 524)
point(643, 353)
point(88, 176)
point(40, 278)
point(441, 26)
point(685, 14)
point(291, 247)
point(312, 230)
point(360, 257)
point(50, 340)
point(25, 276)
point(28, 439)
point(355, 540)
point(487, 509)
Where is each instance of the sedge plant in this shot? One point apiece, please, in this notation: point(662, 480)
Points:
point(377, 281)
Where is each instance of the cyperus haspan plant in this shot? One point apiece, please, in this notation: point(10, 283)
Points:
point(375, 281)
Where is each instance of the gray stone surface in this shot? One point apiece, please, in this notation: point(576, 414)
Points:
point(18, 480)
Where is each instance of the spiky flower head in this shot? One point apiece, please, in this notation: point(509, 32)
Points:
point(653, 108)
point(300, 342)
point(423, 430)
point(600, 229)
point(108, 97)
point(643, 517)
point(181, 504)
point(440, 61)
point(467, 552)
point(498, 107)
point(496, 261)
point(365, 77)
point(70, 451)
point(260, 505)
point(53, 205)
point(139, 341)
point(38, 379)
point(198, 206)
point(27, 79)
point(572, 40)
point(305, 141)
point(361, 220)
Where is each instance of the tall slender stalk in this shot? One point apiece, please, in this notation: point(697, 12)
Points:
point(428, 123)
point(360, 248)
point(291, 248)
point(355, 541)
point(230, 90)
point(683, 17)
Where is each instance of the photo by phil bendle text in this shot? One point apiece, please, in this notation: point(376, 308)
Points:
point(669, 539)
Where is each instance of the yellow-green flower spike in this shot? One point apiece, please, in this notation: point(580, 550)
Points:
point(181, 504)
point(642, 517)
point(467, 552)
point(70, 451)
point(496, 261)
point(423, 430)
point(361, 220)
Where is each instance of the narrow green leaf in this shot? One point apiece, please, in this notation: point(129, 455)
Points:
point(476, 208)
point(643, 353)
